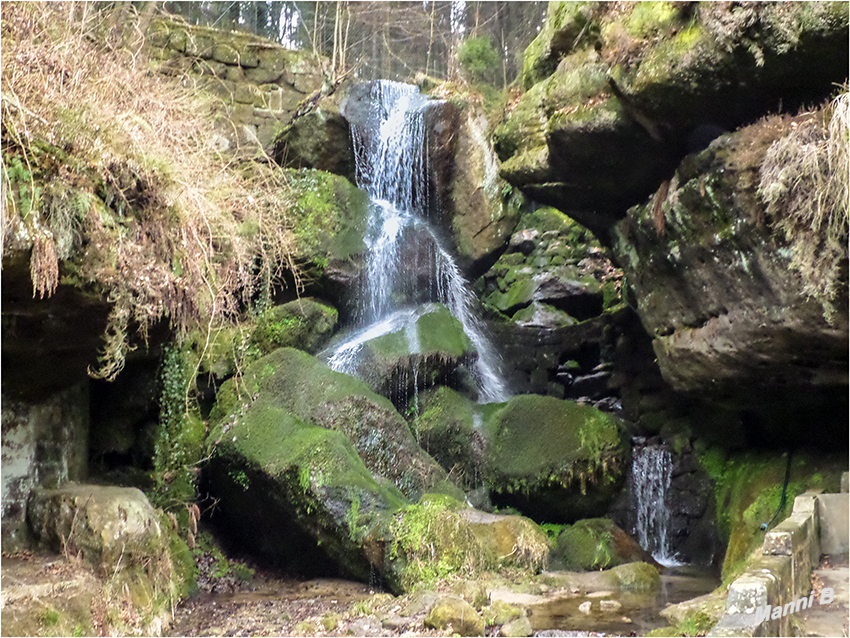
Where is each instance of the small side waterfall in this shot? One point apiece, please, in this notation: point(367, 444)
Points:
point(406, 262)
point(652, 469)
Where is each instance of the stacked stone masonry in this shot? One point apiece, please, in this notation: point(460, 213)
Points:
point(779, 577)
point(261, 83)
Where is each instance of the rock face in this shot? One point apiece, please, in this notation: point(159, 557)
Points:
point(683, 73)
point(717, 287)
point(320, 139)
point(44, 443)
point(554, 460)
point(485, 209)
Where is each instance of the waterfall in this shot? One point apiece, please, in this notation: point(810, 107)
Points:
point(652, 469)
point(391, 154)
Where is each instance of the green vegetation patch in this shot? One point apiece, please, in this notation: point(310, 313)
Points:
point(587, 545)
point(330, 214)
point(748, 489)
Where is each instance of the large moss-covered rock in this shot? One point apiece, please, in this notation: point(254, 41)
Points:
point(744, 300)
point(597, 543)
point(553, 459)
point(683, 73)
point(421, 347)
point(305, 390)
point(295, 493)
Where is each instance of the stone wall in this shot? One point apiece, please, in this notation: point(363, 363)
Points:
point(261, 83)
point(780, 576)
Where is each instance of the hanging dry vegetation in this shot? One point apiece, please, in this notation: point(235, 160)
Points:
point(804, 182)
point(111, 180)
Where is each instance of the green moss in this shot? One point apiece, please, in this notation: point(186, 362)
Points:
point(329, 214)
point(519, 293)
point(304, 324)
point(576, 80)
point(440, 332)
point(431, 542)
point(587, 545)
point(748, 491)
point(567, 25)
point(524, 129)
point(539, 439)
point(651, 18)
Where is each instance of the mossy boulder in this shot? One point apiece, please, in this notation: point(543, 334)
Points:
point(294, 493)
point(420, 348)
point(555, 460)
point(305, 324)
point(597, 543)
point(683, 73)
point(300, 386)
point(455, 614)
point(440, 537)
point(330, 216)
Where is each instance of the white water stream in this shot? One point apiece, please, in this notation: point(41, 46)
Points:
point(652, 468)
point(392, 167)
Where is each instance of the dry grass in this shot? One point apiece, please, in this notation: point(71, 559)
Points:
point(804, 183)
point(105, 160)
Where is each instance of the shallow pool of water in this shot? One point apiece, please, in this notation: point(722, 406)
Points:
point(622, 613)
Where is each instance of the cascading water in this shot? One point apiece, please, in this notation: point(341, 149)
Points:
point(392, 167)
point(652, 469)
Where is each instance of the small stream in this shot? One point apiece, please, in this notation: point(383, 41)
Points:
point(277, 607)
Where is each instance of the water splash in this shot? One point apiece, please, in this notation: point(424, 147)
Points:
point(392, 167)
point(652, 468)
